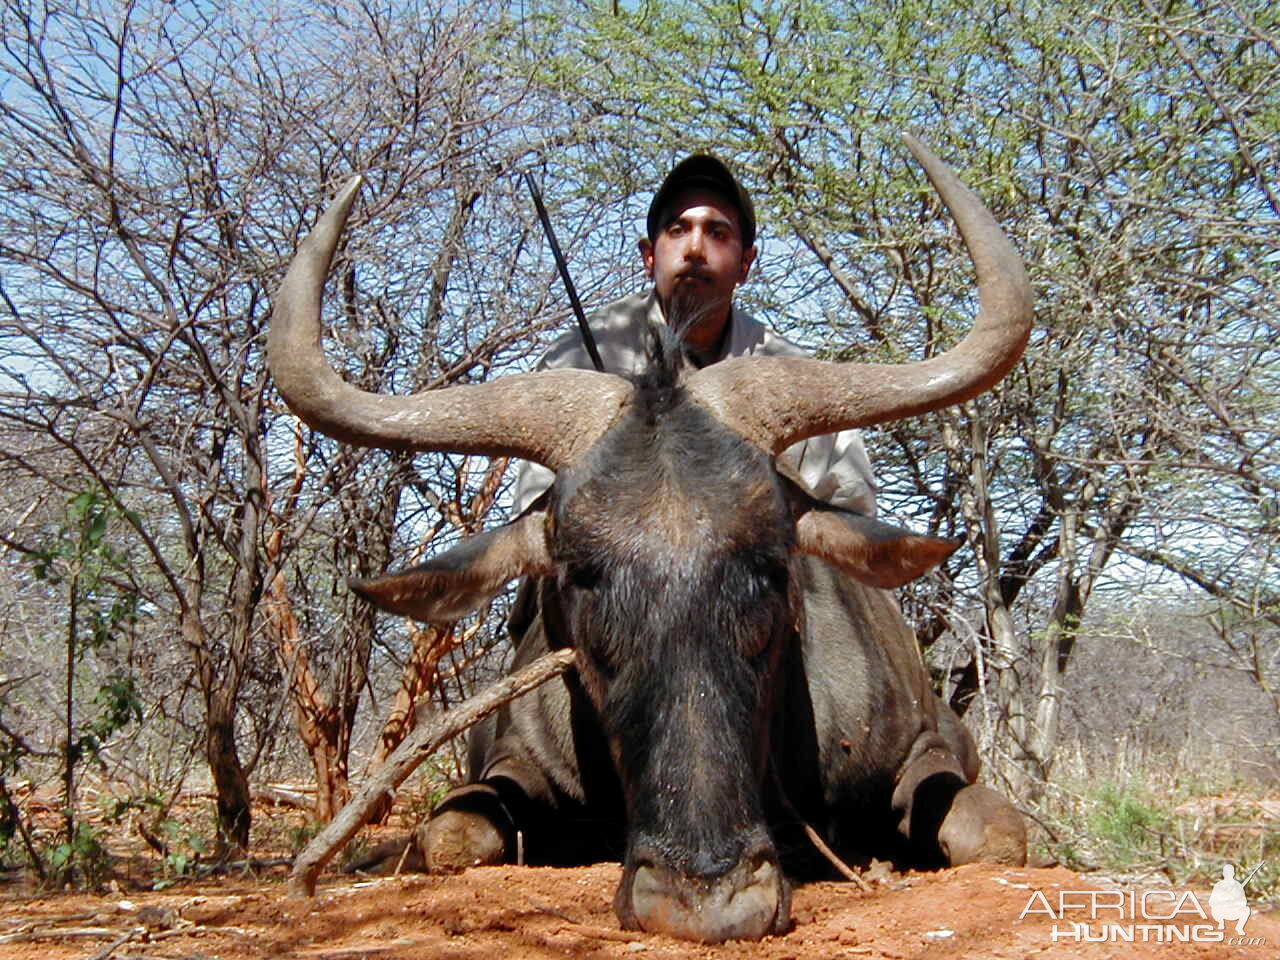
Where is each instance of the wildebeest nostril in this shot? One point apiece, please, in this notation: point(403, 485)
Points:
point(745, 903)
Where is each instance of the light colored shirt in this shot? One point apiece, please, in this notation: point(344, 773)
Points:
point(833, 468)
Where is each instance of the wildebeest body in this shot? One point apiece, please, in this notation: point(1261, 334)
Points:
point(726, 680)
point(724, 658)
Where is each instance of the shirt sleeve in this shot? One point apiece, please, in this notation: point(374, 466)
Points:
point(532, 481)
point(834, 467)
point(836, 470)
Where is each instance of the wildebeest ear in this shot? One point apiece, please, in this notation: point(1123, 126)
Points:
point(877, 554)
point(457, 581)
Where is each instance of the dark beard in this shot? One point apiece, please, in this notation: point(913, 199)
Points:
point(686, 309)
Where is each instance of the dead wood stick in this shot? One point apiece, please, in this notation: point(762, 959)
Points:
point(45, 921)
point(20, 927)
point(158, 935)
point(207, 870)
point(816, 838)
point(415, 748)
point(604, 933)
point(404, 855)
point(282, 796)
point(59, 933)
point(849, 874)
point(125, 937)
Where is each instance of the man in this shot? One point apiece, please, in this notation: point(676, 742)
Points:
point(1227, 901)
point(699, 247)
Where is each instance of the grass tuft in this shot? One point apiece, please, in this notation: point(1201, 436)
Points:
point(1156, 822)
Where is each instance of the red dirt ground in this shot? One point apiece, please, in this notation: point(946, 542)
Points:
point(524, 912)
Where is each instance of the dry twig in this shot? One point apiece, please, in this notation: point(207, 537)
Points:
point(815, 838)
point(124, 938)
point(415, 748)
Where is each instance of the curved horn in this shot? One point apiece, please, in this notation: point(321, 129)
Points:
point(551, 416)
point(776, 401)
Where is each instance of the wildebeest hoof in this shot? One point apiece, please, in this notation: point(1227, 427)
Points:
point(469, 829)
point(983, 826)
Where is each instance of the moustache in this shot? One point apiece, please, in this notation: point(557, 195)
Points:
point(694, 273)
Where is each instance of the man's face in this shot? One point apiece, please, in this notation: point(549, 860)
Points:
point(697, 257)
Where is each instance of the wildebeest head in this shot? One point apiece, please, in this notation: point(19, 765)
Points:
point(670, 538)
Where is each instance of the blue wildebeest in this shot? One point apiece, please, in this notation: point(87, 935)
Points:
point(740, 662)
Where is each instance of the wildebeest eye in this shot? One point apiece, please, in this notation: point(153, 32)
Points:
point(585, 576)
point(762, 576)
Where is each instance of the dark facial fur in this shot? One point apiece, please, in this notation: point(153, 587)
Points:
point(673, 548)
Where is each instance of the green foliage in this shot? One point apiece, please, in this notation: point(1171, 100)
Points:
point(11, 752)
point(186, 845)
point(80, 546)
point(1126, 820)
point(1183, 825)
point(82, 561)
point(83, 858)
point(119, 704)
point(300, 835)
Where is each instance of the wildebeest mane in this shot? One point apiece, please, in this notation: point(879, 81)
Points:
point(658, 380)
point(665, 354)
